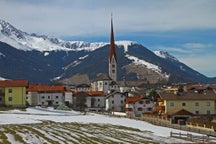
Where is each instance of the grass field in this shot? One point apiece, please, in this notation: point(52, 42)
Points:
point(50, 132)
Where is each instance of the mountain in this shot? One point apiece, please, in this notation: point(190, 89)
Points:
point(42, 59)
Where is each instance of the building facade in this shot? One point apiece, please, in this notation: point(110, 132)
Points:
point(13, 93)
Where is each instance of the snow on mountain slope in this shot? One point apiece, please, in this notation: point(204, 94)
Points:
point(24, 41)
point(147, 64)
point(165, 55)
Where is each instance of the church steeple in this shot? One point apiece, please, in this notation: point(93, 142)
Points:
point(112, 56)
point(112, 43)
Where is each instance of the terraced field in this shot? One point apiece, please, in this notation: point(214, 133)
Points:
point(50, 132)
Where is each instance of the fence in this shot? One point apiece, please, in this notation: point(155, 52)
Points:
point(193, 138)
point(167, 123)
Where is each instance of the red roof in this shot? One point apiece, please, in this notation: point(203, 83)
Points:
point(133, 99)
point(46, 88)
point(14, 83)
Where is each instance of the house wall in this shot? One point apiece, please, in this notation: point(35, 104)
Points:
point(15, 96)
point(32, 98)
point(53, 98)
point(193, 106)
point(116, 102)
point(2, 96)
point(103, 86)
point(69, 97)
point(143, 106)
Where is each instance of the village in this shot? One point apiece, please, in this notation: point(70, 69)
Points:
point(190, 104)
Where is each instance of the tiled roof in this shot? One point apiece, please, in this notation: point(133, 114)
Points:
point(206, 95)
point(14, 83)
point(47, 88)
point(133, 99)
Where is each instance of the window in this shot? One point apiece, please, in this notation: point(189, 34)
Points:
point(10, 98)
point(9, 90)
point(98, 100)
point(147, 102)
point(140, 102)
point(105, 83)
point(57, 97)
point(196, 112)
point(149, 109)
point(208, 112)
point(98, 105)
point(113, 66)
point(48, 97)
point(57, 102)
point(121, 101)
point(139, 109)
point(42, 97)
point(113, 71)
point(0, 98)
point(196, 104)
point(183, 104)
point(208, 104)
point(112, 101)
point(171, 104)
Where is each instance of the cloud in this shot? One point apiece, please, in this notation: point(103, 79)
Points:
point(87, 18)
point(205, 63)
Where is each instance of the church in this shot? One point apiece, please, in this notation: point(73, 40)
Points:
point(108, 82)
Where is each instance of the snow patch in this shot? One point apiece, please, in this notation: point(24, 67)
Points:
point(81, 58)
point(165, 55)
point(125, 44)
point(182, 68)
point(46, 53)
point(2, 55)
point(147, 64)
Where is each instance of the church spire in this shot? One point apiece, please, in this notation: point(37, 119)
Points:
point(112, 43)
point(112, 56)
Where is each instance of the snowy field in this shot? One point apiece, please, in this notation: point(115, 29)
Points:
point(40, 125)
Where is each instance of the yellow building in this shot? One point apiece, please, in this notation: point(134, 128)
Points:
point(13, 93)
point(196, 102)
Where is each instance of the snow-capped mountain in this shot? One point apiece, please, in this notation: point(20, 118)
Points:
point(41, 58)
point(165, 55)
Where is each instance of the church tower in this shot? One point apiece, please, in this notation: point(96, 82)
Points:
point(112, 56)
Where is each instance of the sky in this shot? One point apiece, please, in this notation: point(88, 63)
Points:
point(184, 28)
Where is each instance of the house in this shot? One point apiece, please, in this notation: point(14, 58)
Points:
point(89, 101)
point(95, 101)
point(136, 106)
point(13, 93)
point(115, 102)
point(46, 95)
point(198, 102)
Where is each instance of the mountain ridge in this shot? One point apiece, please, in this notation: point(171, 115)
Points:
point(42, 58)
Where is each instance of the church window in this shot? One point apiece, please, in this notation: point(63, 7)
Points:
point(113, 66)
point(113, 71)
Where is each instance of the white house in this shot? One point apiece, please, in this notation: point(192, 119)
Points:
point(115, 101)
point(136, 106)
point(45, 95)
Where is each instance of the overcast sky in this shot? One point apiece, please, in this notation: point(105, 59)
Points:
point(184, 28)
